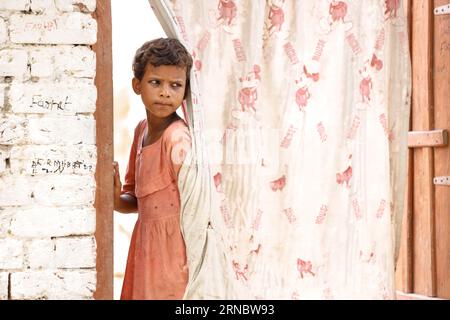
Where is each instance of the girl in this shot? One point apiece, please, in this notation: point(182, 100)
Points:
point(156, 265)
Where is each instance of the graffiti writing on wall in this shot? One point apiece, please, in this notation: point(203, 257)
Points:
point(49, 166)
point(46, 25)
point(38, 101)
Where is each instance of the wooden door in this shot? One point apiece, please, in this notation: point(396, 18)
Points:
point(424, 263)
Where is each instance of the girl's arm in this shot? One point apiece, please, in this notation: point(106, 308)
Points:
point(178, 147)
point(123, 202)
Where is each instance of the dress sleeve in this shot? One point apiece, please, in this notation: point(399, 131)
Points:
point(129, 183)
point(178, 146)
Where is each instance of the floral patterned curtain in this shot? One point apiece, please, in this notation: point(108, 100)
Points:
point(299, 112)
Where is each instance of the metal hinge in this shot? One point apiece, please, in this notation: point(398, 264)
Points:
point(445, 9)
point(445, 180)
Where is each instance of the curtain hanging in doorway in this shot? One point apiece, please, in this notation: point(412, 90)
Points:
point(299, 112)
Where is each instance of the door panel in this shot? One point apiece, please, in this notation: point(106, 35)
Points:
point(442, 154)
point(423, 266)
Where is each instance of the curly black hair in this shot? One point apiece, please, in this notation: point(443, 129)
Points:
point(162, 51)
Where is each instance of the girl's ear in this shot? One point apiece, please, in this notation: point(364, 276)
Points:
point(136, 86)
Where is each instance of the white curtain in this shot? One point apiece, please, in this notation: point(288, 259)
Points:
point(299, 112)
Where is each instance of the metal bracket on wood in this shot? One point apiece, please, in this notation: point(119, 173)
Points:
point(434, 138)
point(445, 180)
point(445, 9)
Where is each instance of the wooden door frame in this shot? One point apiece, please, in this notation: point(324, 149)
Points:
point(105, 153)
point(420, 160)
point(421, 271)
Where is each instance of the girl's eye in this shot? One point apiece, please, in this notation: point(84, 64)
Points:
point(176, 85)
point(154, 82)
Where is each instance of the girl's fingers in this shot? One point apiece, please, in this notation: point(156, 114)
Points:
point(116, 172)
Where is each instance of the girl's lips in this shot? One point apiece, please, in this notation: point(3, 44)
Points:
point(163, 105)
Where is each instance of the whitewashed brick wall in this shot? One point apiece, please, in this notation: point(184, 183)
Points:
point(47, 149)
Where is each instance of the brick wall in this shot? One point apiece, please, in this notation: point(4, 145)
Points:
point(47, 149)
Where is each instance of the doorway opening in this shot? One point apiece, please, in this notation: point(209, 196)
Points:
point(133, 24)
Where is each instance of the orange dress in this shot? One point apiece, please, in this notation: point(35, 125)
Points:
point(156, 265)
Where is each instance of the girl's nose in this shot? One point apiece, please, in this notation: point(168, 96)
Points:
point(165, 92)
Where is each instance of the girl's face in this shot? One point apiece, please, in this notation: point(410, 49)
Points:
point(162, 89)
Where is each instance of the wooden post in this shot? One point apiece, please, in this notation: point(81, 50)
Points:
point(424, 276)
point(105, 152)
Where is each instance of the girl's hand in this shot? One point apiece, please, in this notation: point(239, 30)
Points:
point(117, 182)
point(124, 203)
